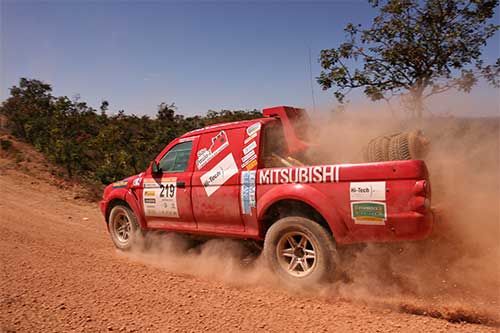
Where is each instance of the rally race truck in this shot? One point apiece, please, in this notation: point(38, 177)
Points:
point(254, 180)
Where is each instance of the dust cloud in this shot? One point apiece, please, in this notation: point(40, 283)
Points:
point(226, 260)
point(456, 269)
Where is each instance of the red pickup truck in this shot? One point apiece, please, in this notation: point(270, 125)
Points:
point(248, 180)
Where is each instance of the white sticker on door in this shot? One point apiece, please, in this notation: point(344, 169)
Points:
point(160, 198)
point(367, 191)
point(212, 180)
point(205, 155)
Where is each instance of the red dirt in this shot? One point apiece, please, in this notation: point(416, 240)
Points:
point(60, 272)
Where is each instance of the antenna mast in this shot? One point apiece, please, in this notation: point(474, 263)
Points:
point(311, 80)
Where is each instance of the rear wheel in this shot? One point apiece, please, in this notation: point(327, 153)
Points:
point(300, 251)
point(123, 227)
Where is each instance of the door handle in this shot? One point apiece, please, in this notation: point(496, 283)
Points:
point(181, 185)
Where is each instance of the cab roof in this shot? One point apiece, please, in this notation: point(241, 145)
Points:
point(227, 126)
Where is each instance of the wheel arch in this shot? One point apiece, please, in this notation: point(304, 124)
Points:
point(300, 199)
point(129, 200)
point(291, 207)
point(113, 203)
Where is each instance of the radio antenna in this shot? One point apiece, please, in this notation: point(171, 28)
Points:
point(311, 80)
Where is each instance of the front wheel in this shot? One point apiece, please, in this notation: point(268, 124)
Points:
point(123, 227)
point(300, 251)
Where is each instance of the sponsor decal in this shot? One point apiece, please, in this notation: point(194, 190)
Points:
point(369, 212)
point(247, 192)
point(250, 138)
point(312, 174)
point(120, 184)
point(205, 155)
point(253, 129)
point(213, 179)
point(137, 182)
point(249, 159)
point(252, 161)
point(248, 156)
point(252, 164)
point(367, 191)
point(160, 197)
point(249, 148)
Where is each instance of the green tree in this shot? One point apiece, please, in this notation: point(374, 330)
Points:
point(414, 49)
point(28, 108)
point(96, 146)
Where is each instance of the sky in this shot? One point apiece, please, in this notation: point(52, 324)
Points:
point(198, 55)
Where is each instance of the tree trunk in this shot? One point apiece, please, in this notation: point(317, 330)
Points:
point(417, 94)
point(419, 107)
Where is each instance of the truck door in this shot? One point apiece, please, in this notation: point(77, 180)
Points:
point(215, 192)
point(166, 196)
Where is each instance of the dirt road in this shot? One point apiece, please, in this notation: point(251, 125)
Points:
point(60, 272)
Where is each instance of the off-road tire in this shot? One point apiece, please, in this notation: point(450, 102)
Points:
point(399, 148)
point(418, 144)
point(321, 242)
point(377, 150)
point(118, 238)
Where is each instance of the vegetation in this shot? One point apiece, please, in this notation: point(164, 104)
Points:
point(414, 49)
point(91, 144)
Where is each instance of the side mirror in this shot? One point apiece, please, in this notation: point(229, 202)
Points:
point(155, 167)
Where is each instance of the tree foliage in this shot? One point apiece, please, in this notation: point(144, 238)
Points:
point(413, 48)
point(91, 144)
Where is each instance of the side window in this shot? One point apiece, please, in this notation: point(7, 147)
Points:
point(177, 158)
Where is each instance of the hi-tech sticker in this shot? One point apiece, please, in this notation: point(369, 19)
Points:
point(213, 179)
point(247, 192)
point(367, 191)
point(205, 155)
point(369, 212)
point(160, 198)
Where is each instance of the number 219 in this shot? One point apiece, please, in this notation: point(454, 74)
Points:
point(167, 191)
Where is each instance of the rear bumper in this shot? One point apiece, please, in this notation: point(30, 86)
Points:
point(413, 226)
point(407, 226)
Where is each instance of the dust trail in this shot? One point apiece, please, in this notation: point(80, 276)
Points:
point(457, 269)
point(227, 260)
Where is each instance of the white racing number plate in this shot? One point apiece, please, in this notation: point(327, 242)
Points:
point(160, 198)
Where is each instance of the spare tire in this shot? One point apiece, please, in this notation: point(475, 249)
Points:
point(377, 149)
point(396, 147)
point(399, 148)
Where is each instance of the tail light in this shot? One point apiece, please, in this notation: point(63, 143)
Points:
point(421, 202)
point(420, 188)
